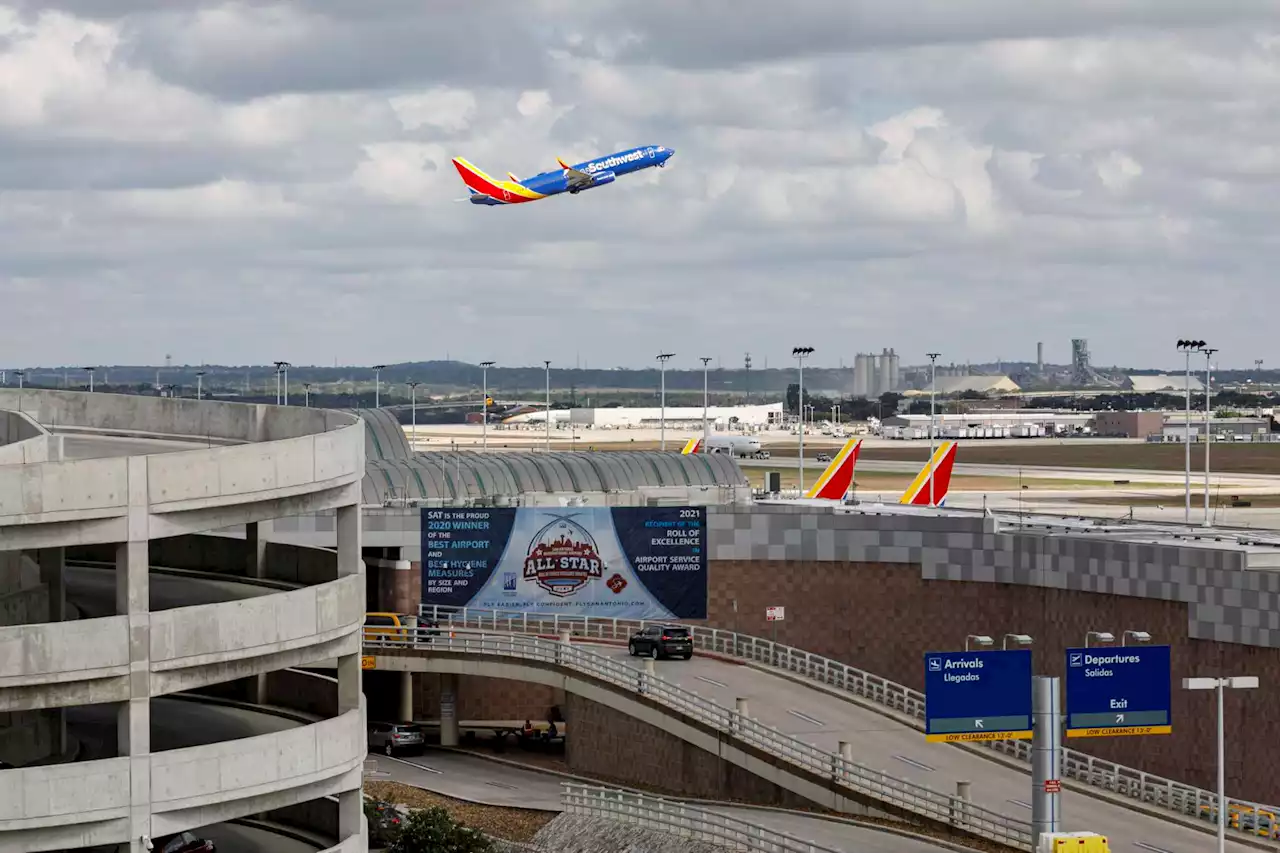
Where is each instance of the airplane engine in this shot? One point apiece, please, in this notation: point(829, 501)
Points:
point(599, 179)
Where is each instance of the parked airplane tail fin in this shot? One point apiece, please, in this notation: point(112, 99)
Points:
point(834, 482)
point(692, 446)
point(919, 493)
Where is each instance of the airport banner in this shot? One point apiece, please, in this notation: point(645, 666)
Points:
point(620, 562)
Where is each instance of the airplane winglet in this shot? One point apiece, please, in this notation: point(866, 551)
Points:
point(942, 462)
point(563, 164)
point(513, 177)
point(833, 484)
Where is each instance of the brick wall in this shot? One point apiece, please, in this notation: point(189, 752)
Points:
point(608, 745)
point(487, 698)
point(884, 617)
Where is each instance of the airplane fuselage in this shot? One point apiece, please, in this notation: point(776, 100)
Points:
point(601, 170)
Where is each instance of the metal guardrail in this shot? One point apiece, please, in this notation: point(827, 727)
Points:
point(1108, 776)
point(918, 799)
point(680, 819)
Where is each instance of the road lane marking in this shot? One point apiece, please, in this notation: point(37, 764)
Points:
point(414, 764)
point(1151, 847)
point(805, 717)
point(503, 785)
point(918, 765)
point(1020, 803)
point(711, 681)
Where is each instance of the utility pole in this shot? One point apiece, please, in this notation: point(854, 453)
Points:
point(663, 358)
point(705, 403)
point(933, 394)
point(800, 354)
point(484, 405)
point(1208, 425)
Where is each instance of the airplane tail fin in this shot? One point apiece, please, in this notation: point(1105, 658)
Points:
point(692, 446)
point(476, 179)
point(943, 460)
point(834, 482)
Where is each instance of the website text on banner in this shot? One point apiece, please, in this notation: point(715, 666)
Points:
point(623, 562)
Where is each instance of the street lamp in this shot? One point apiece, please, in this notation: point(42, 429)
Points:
point(547, 365)
point(306, 391)
point(377, 385)
point(1020, 639)
point(200, 384)
point(1188, 347)
point(977, 640)
point(20, 374)
point(89, 370)
point(484, 404)
point(663, 358)
point(1100, 636)
point(933, 393)
point(800, 354)
point(705, 403)
point(1237, 682)
point(1136, 636)
point(413, 409)
point(279, 368)
point(1208, 413)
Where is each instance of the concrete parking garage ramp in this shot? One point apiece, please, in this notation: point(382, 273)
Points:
point(251, 463)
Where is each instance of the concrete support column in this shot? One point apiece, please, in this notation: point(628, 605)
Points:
point(255, 549)
point(448, 709)
point(406, 697)
point(53, 563)
point(133, 723)
point(258, 689)
point(350, 562)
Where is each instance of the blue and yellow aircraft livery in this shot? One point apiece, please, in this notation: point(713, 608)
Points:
point(571, 179)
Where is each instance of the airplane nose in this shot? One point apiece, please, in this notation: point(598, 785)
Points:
point(670, 152)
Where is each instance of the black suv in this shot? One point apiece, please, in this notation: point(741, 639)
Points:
point(662, 641)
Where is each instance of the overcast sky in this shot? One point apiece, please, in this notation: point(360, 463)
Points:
point(252, 181)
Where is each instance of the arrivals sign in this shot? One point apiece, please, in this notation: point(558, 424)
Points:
point(624, 562)
point(977, 695)
point(1113, 691)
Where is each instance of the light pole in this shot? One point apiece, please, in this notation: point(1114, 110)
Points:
point(977, 640)
point(20, 374)
point(1136, 636)
point(663, 358)
point(484, 404)
point(89, 370)
point(1237, 682)
point(200, 384)
point(547, 365)
point(413, 411)
point(1020, 639)
point(1100, 636)
point(279, 367)
point(306, 394)
point(800, 354)
point(933, 393)
point(705, 403)
point(1257, 369)
point(285, 395)
point(1208, 425)
point(377, 385)
point(1188, 347)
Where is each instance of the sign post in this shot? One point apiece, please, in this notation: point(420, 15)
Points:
point(1118, 691)
point(774, 615)
point(972, 696)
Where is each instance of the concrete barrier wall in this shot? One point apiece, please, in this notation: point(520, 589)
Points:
point(63, 651)
point(23, 441)
point(85, 488)
point(165, 416)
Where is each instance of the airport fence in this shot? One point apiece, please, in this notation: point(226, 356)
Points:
point(1118, 779)
point(916, 799)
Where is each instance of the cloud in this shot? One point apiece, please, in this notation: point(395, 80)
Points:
point(243, 181)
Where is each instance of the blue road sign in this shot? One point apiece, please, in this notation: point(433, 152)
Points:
point(1118, 691)
point(977, 695)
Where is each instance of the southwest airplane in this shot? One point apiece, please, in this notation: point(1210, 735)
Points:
point(571, 179)
point(834, 483)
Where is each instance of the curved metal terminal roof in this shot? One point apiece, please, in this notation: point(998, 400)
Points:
point(392, 471)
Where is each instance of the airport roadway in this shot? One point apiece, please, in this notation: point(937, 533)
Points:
point(823, 719)
point(79, 446)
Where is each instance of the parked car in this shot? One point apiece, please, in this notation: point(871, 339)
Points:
point(662, 641)
point(183, 842)
point(391, 738)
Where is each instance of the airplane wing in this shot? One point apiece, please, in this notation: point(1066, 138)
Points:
point(577, 179)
